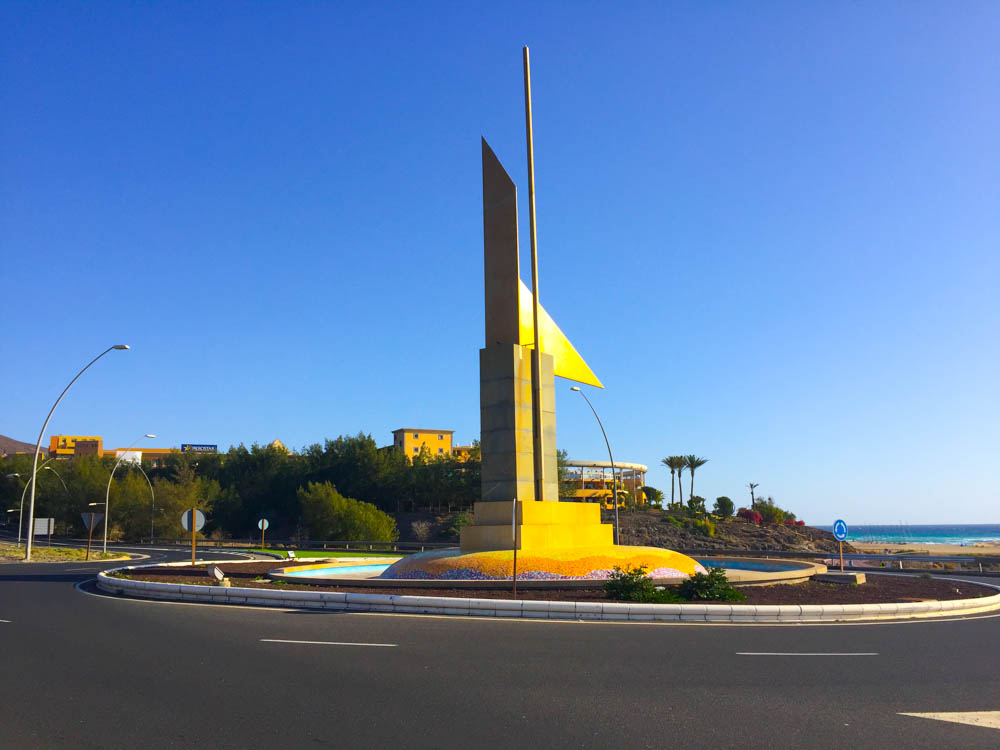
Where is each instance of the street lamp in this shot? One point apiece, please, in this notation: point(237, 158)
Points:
point(38, 445)
point(614, 476)
point(107, 496)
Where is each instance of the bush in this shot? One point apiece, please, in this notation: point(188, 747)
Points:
point(673, 520)
point(771, 513)
point(633, 585)
point(702, 525)
point(460, 520)
point(750, 516)
point(421, 530)
point(724, 506)
point(330, 515)
point(696, 504)
point(711, 586)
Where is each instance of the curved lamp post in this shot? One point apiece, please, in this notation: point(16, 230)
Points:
point(38, 446)
point(107, 495)
point(152, 502)
point(614, 476)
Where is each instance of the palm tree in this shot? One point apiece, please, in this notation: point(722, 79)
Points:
point(675, 463)
point(691, 463)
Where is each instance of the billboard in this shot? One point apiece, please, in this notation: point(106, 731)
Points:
point(198, 448)
point(132, 457)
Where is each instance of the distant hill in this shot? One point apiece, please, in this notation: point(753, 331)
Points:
point(10, 446)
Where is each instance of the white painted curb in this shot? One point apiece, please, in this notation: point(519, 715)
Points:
point(616, 611)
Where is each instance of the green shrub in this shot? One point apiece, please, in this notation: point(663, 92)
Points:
point(455, 528)
point(724, 507)
point(330, 515)
point(696, 504)
point(675, 521)
point(711, 586)
point(701, 525)
point(632, 585)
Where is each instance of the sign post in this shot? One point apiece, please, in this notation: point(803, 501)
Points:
point(90, 521)
point(262, 524)
point(840, 534)
point(193, 520)
point(513, 536)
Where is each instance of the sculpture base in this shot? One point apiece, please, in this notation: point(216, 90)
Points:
point(539, 526)
point(580, 563)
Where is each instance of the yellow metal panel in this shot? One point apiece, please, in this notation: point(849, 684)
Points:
point(567, 362)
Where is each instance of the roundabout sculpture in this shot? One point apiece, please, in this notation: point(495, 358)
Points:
point(525, 350)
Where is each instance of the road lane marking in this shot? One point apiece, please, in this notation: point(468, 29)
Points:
point(782, 653)
point(7, 621)
point(329, 643)
point(989, 719)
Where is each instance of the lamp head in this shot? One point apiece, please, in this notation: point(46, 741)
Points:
point(573, 388)
point(121, 346)
point(149, 435)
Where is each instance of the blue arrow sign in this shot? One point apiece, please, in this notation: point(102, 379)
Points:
point(839, 530)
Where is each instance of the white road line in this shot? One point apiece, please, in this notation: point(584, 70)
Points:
point(990, 719)
point(5, 621)
point(329, 643)
point(779, 653)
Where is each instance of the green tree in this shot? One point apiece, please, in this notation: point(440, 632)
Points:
point(724, 507)
point(692, 462)
point(562, 472)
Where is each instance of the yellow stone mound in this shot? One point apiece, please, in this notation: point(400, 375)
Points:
point(580, 563)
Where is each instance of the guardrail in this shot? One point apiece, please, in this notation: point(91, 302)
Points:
point(289, 544)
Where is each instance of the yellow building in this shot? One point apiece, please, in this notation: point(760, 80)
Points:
point(68, 446)
point(411, 439)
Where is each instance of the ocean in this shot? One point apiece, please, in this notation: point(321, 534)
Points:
point(922, 534)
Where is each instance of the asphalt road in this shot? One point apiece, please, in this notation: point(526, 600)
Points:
point(91, 671)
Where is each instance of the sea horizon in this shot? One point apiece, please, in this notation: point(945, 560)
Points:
point(903, 533)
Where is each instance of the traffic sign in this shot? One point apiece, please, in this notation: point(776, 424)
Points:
point(262, 524)
point(90, 520)
point(839, 530)
point(199, 520)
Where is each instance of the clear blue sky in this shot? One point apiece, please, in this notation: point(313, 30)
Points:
point(772, 230)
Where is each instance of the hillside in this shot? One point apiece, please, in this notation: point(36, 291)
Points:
point(650, 527)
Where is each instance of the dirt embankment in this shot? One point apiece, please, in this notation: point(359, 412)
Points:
point(653, 528)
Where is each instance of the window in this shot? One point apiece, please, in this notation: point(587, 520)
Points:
point(440, 437)
point(440, 450)
point(416, 434)
point(416, 450)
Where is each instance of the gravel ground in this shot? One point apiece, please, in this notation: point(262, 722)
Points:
point(878, 589)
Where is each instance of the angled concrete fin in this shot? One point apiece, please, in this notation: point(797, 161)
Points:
point(567, 362)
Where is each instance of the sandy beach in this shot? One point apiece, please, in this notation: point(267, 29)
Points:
point(922, 548)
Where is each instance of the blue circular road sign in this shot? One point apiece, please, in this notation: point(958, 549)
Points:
point(839, 530)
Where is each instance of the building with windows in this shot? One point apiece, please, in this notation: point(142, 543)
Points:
point(592, 481)
point(72, 446)
point(411, 439)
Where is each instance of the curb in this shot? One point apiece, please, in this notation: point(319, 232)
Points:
point(526, 608)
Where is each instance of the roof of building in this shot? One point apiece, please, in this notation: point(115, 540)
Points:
point(9, 446)
point(607, 465)
point(421, 429)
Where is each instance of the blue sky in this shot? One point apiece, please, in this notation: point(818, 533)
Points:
point(772, 230)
